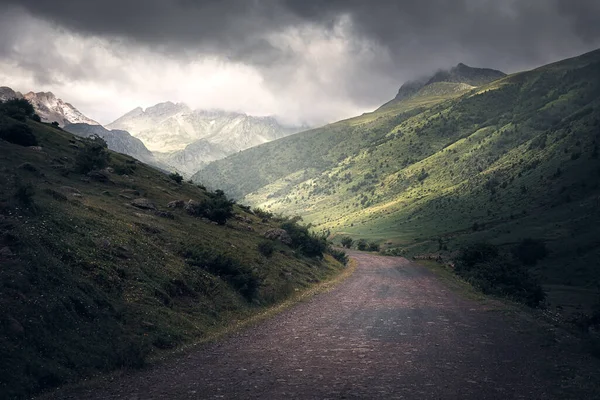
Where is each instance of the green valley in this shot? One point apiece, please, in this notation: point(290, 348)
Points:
point(447, 164)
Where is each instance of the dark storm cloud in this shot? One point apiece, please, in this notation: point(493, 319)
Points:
point(413, 30)
point(294, 44)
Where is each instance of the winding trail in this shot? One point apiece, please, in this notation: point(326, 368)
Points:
point(389, 331)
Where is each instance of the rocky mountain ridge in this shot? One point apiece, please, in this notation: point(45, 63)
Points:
point(462, 75)
point(188, 139)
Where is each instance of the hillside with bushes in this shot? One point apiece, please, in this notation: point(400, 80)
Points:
point(107, 261)
point(437, 170)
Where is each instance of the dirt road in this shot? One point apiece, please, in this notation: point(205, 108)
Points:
point(390, 331)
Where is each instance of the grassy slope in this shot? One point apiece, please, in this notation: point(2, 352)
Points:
point(96, 284)
point(518, 156)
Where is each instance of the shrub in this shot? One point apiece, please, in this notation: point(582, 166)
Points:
point(241, 278)
point(339, 255)
point(19, 109)
point(93, 155)
point(24, 194)
point(361, 245)
point(260, 213)
point(307, 243)
point(176, 177)
point(217, 207)
point(494, 273)
point(124, 169)
point(530, 251)
point(476, 253)
point(266, 248)
point(17, 133)
point(373, 246)
point(347, 242)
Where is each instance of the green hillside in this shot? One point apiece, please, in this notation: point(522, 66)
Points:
point(97, 272)
point(514, 158)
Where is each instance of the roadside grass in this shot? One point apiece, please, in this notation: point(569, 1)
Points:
point(91, 283)
point(575, 354)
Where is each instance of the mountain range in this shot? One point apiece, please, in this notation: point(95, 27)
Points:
point(187, 139)
point(49, 107)
point(169, 135)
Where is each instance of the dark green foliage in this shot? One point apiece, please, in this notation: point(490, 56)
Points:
point(24, 194)
point(244, 280)
point(93, 155)
point(373, 246)
point(309, 244)
point(477, 253)
point(361, 245)
point(217, 208)
point(530, 251)
point(16, 132)
point(176, 177)
point(339, 255)
point(347, 242)
point(265, 215)
point(498, 274)
point(127, 168)
point(19, 109)
point(266, 248)
point(422, 175)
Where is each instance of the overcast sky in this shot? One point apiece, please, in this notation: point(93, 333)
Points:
point(306, 61)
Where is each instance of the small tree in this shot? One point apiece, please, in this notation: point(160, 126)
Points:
point(361, 245)
point(94, 155)
point(373, 246)
point(347, 242)
point(18, 109)
point(530, 251)
point(16, 133)
point(266, 248)
point(176, 177)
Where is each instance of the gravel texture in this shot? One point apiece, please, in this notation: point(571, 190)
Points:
point(391, 330)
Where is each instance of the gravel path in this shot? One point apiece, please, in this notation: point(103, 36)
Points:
point(390, 331)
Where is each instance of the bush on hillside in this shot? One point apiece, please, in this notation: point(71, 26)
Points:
point(530, 251)
point(339, 255)
point(93, 155)
point(241, 278)
point(176, 177)
point(24, 194)
point(266, 248)
point(373, 246)
point(217, 207)
point(347, 242)
point(309, 244)
point(498, 274)
point(264, 215)
point(361, 245)
point(17, 133)
point(19, 109)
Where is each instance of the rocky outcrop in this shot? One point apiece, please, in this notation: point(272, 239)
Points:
point(143, 204)
point(279, 234)
point(176, 204)
point(51, 109)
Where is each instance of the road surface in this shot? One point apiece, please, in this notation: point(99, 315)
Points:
point(391, 330)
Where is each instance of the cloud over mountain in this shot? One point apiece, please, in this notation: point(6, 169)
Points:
point(306, 61)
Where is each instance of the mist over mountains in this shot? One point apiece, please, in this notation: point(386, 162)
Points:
point(169, 135)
